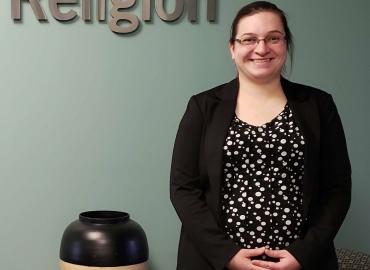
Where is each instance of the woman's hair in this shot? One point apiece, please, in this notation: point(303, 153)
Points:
point(259, 6)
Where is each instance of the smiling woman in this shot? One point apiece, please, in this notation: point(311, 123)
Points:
point(260, 174)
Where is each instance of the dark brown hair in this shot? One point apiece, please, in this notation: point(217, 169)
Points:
point(259, 6)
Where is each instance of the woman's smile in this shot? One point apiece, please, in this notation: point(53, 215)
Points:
point(261, 60)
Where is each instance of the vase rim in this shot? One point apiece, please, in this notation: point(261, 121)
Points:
point(103, 216)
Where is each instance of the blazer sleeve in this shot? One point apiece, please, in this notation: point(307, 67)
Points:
point(334, 191)
point(187, 192)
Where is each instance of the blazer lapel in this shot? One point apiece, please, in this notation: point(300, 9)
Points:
point(221, 114)
point(306, 113)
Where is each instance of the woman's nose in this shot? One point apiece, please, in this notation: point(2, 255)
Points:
point(261, 47)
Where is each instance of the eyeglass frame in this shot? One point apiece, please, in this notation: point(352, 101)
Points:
point(266, 40)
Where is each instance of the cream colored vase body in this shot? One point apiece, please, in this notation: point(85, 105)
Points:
point(68, 266)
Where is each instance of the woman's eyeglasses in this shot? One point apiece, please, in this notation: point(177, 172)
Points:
point(269, 40)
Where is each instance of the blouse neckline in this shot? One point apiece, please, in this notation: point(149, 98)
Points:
point(269, 123)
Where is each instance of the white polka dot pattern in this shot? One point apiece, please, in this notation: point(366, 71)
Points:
point(261, 196)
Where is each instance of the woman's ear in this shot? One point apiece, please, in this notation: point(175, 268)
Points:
point(231, 48)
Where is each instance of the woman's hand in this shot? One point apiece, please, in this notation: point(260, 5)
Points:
point(286, 261)
point(242, 260)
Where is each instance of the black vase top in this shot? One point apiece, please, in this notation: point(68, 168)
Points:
point(104, 217)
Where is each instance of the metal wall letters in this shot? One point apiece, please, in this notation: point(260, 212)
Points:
point(118, 13)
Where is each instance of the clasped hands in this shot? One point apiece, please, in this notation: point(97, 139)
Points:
point(243, 260)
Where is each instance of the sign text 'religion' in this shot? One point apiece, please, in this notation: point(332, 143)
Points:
point(121, 21)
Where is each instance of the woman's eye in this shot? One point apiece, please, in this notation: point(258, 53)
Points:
point(273, 38)
point(249, 40)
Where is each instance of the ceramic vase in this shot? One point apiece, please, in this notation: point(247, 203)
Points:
point(104, 240)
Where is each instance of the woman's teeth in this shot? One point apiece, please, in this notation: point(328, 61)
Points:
point(261, 60)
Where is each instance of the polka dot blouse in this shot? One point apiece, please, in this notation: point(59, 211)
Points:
point(261, 195)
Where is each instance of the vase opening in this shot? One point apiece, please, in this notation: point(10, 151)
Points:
point(104, 217)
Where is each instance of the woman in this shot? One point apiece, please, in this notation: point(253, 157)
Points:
point(260, 174)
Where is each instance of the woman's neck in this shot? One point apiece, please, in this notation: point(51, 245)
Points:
point(258, 103)
point(258, 91)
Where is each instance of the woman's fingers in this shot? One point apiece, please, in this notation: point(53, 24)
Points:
point(274, 253)
point(263, 264)
point(257, 267)
point(254, 252)
point(242, 260)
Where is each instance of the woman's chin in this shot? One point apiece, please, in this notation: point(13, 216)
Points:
point(263, 76)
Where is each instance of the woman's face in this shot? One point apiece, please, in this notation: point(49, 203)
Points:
point(261, 62)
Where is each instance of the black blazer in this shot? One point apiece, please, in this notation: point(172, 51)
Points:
point(196, 175)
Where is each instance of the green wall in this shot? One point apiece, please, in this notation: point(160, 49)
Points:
point(88, 117)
